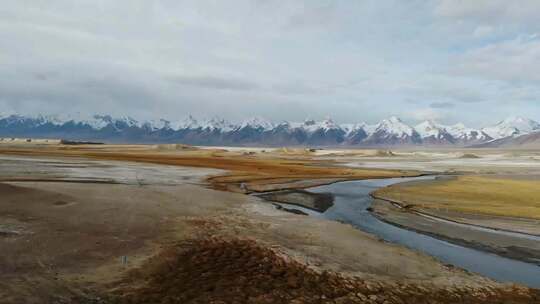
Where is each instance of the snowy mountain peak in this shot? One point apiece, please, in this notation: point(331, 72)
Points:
point(394, 119)
point(95, 122)
point(130, 121)
point(312, 126)
point(50, 119)
point(394, 126)
point(430, 128)
point(524, 125)
point(462, 133)
point(309, 122)
point(429, 124)
point(216, 123)
point(517, 120)
point(187, 123)
point(349, 128)
point(257, 123)
point(159, 124)
point(511, 126)
point(328, 124)
point(217, 131)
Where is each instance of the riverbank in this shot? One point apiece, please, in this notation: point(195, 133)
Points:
point(496, 195)
point(351, 205)
point(319, 202)
point(507, 245)
point(423, 207)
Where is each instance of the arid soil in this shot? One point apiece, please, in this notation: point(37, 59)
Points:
point(68, 240)
point(134, 235)
point(216, 270)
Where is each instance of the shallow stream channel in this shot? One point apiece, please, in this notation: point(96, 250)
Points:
point(351, 201)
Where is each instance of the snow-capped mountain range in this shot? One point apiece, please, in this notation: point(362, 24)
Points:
point(259, 131)
point(512, 126)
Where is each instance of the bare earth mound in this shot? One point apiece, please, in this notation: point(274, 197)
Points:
point(216, 270)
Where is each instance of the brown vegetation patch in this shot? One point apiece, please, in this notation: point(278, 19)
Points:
point(246, 173)
point(6, 234)
point(241, 271)
point(469, 156)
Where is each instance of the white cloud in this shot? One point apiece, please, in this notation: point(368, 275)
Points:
point(426, 114)
point(490, 11)
point(353, 60)
point(516, 60)
point(483, 31)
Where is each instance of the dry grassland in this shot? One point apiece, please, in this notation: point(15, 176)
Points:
point(246, 171)
point(471, 194)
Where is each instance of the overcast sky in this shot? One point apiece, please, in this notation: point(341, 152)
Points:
point(471, 61)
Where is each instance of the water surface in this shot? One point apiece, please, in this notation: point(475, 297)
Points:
point(350, 204)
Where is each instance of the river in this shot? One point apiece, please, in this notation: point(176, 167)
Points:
point(351, 201)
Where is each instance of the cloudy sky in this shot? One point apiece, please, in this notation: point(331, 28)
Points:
point(471, 61)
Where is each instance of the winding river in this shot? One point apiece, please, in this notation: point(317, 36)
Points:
point(351, 201)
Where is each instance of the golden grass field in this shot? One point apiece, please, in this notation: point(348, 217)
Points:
point(501, 196)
